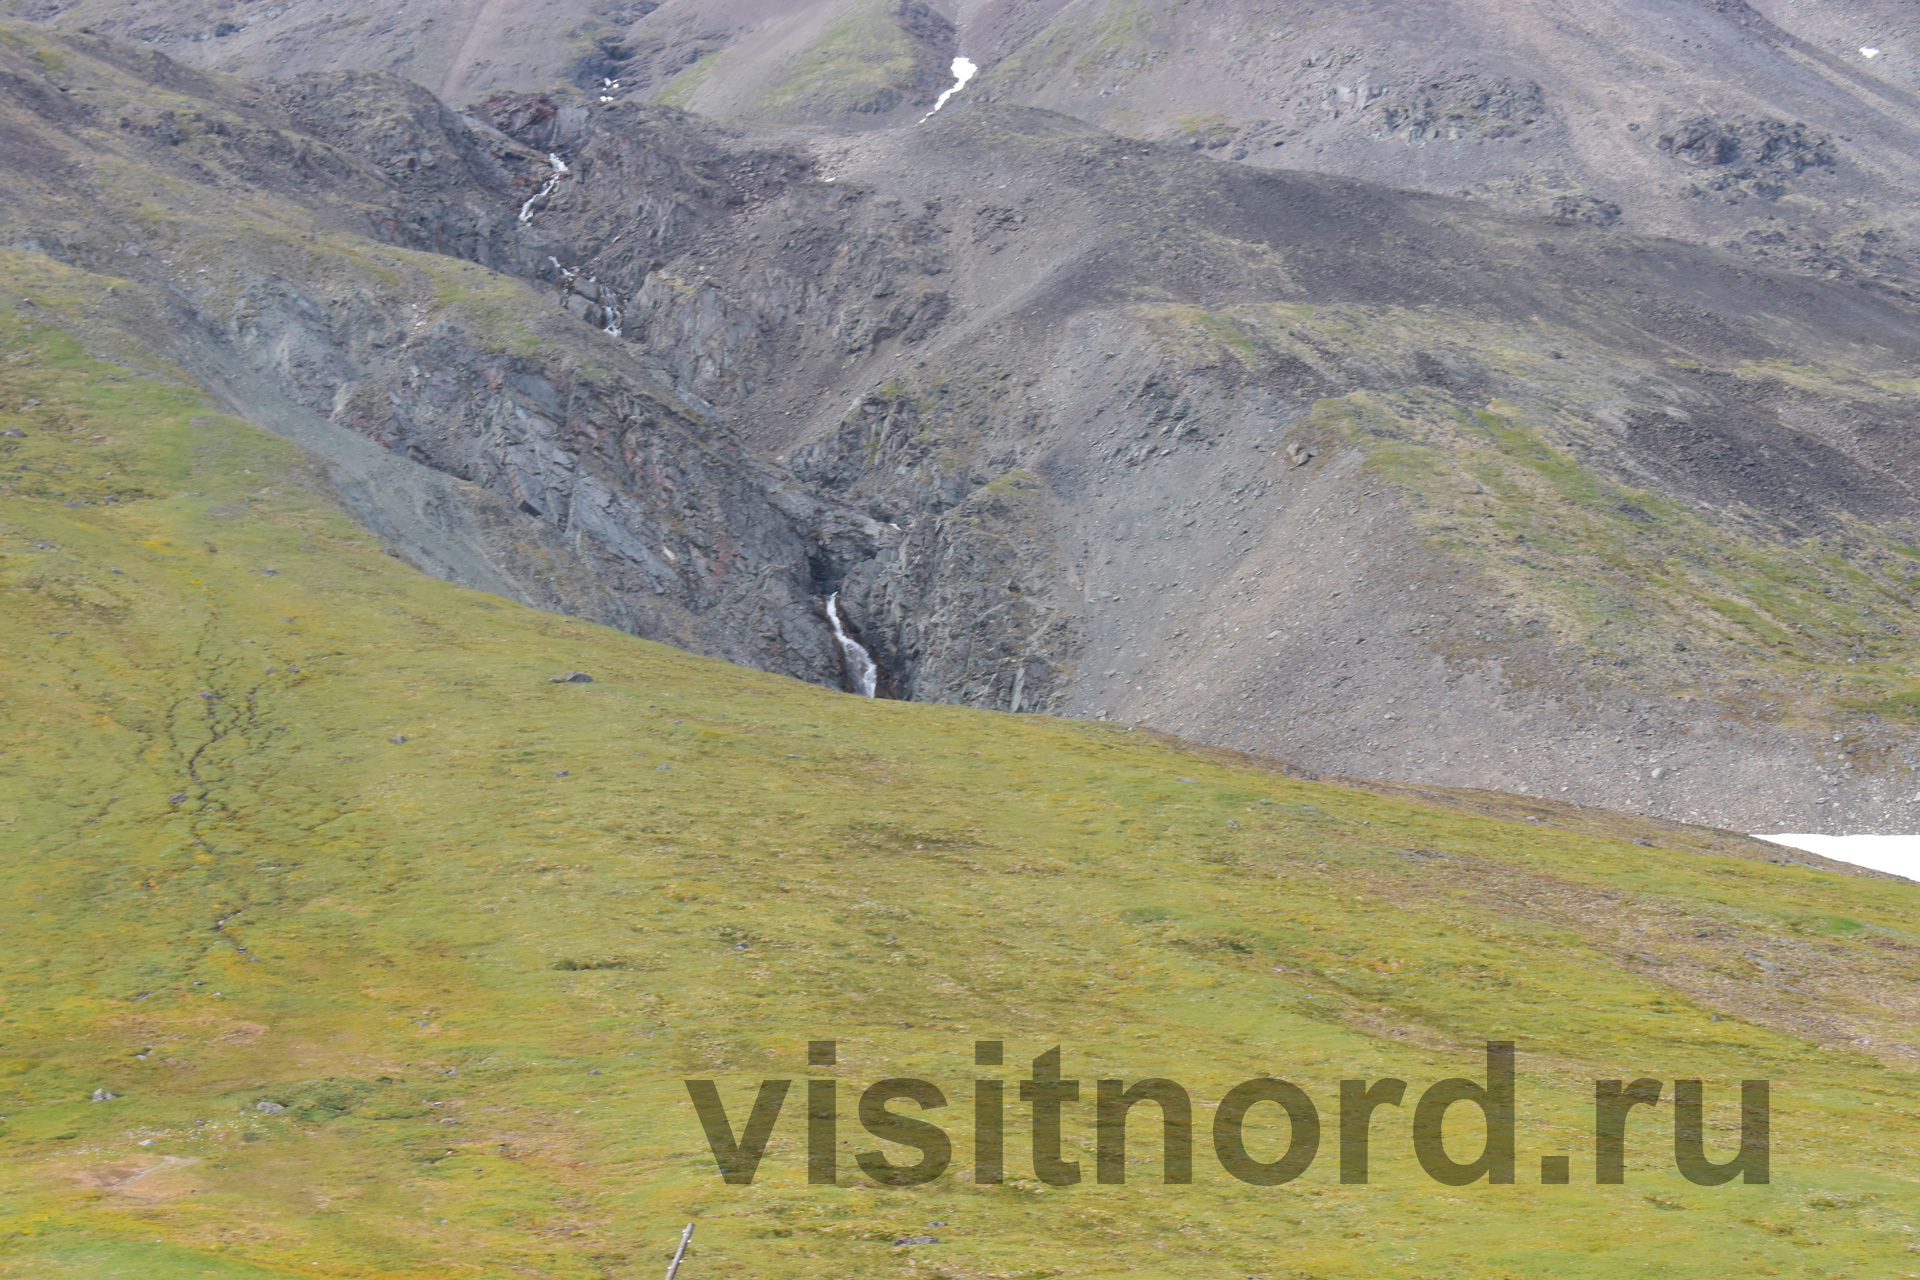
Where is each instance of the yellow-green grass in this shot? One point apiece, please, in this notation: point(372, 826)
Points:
point(679, 92)
point(476, 965)
point(862, 61)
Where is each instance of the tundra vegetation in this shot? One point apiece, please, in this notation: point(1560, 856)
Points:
point(385, 954)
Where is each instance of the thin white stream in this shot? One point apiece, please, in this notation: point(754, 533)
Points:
point(963, 70)
point(560, 171)
point(860, 665)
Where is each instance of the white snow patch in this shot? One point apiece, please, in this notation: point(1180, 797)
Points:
point(963, 70)
point(1868, 51)
point(1899, 855)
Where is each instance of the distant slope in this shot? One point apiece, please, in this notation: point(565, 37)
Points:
point(1785, 131)
point(853, 62)
point(1763, 127)
point(288, 823)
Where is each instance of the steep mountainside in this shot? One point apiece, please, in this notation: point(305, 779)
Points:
point(341, 941)
point(1385, 483)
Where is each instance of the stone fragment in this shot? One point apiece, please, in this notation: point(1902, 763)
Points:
point(572, 677)
point(268, 1108)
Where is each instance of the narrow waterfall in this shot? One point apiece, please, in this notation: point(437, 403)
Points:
point(560, 171)
point(862, 673)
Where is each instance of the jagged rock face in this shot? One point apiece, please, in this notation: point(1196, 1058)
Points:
point(584, 481)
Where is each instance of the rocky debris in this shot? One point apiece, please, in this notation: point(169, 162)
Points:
point(1743, 159)
point(267, 1108)
point(1448, 110)
point(572, 677)
point(1773, 145)
point(1300, 454)
point(102, 1095)
point(904, 1241)
point(398, 739)
point(1588, 209)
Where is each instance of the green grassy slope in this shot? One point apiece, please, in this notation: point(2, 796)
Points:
point(475, 965)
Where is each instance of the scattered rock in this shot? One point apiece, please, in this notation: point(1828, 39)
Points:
point(398, 739)
point(1660, 772)
point(564, 773)
point(268, 1108)
point(572, 677)
point(178, 797)
point(1588, 209)
point(101, 1095)
point(1767, 144)
point(906, 1240)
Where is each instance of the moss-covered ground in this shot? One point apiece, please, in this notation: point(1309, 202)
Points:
point(285, 822)
point(863, 61)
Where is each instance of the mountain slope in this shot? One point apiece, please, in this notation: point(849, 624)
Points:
point(1385, 483)
point(1657, 502)
point(360, 859)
